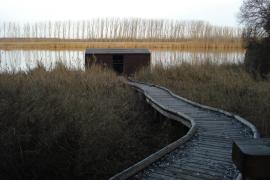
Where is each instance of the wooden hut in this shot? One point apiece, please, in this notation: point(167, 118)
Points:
point(123, 61)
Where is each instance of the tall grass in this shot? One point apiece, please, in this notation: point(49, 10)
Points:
point(66, 124)
point(228, 87)
point(49, 44)
point(111, 29)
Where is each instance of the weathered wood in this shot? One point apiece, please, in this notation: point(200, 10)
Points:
point(184, 171)
point(207, 154)
point(213, 140)
point(177, 174)
point(203, 169)
point(211, 158)
point(213, 152)
point(215, 144)
point(214, 137)
point(252, 157)
point(154, 176)
point(200, 164)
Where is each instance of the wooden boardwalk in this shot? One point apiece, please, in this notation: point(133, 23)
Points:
point(204, 153)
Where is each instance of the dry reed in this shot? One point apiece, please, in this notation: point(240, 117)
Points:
point(66, 124)
point(79, 45)
point(228, 87)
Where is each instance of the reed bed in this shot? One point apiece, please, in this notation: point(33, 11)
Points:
point(81, 45)
point(225, 86)
point(71, 124)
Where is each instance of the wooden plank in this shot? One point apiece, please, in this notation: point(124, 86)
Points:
point(179, 172)
point(234, 137)
point(166, 175)
point(210, 143)
point(215, 165)
point(216, 141)
point(161, 96)
point(214, 121)
point(221, 124)
point(214, 146)
point(211, 151)
point(214, 137)
point(183, 107)
point(177, 104)
point(210, 173)
point(206, 156)
point(202, 116)
point(221, 133)
point(152, 176)
point(159, 175)
point(228, 154)
point(211, 159)
point(212, 156)
point(198, 165)
point(207, 153)
point(220, 128)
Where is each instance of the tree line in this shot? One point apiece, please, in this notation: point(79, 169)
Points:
point(120, 29)
point(255, 16)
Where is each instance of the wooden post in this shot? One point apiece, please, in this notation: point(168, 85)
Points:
point(252, 158)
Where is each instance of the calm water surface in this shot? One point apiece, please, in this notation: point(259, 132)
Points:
point(23, 60)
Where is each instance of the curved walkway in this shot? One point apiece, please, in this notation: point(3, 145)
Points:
point(205, 153)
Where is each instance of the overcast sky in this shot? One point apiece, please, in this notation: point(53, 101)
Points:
point(218, 12)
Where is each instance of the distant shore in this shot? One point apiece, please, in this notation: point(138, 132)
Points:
point(80, 44)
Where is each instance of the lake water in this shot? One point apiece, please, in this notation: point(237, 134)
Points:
point(23, 60)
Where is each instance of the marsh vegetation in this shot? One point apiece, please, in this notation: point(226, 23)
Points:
point(70, 123)
point(226, 86)
point(64, 124)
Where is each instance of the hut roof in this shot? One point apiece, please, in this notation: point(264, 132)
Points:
point(116, 51)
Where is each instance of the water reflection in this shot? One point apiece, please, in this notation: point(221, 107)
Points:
point(22, 60)
point(172, 58)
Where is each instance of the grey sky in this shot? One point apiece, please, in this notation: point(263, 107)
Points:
point(218, 12)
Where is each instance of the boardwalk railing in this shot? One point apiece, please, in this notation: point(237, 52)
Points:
point(148, 91)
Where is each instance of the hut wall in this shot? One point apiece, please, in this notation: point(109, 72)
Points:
point(101, 59)
point(133, 62)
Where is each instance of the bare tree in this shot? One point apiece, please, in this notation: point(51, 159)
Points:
point(255, 15)
point(116, 29)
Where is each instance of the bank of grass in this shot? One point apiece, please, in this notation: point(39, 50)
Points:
point(62, 44)
point(228, 87)
point(67, 124)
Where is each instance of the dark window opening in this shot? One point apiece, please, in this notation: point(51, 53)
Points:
point(118, 63)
